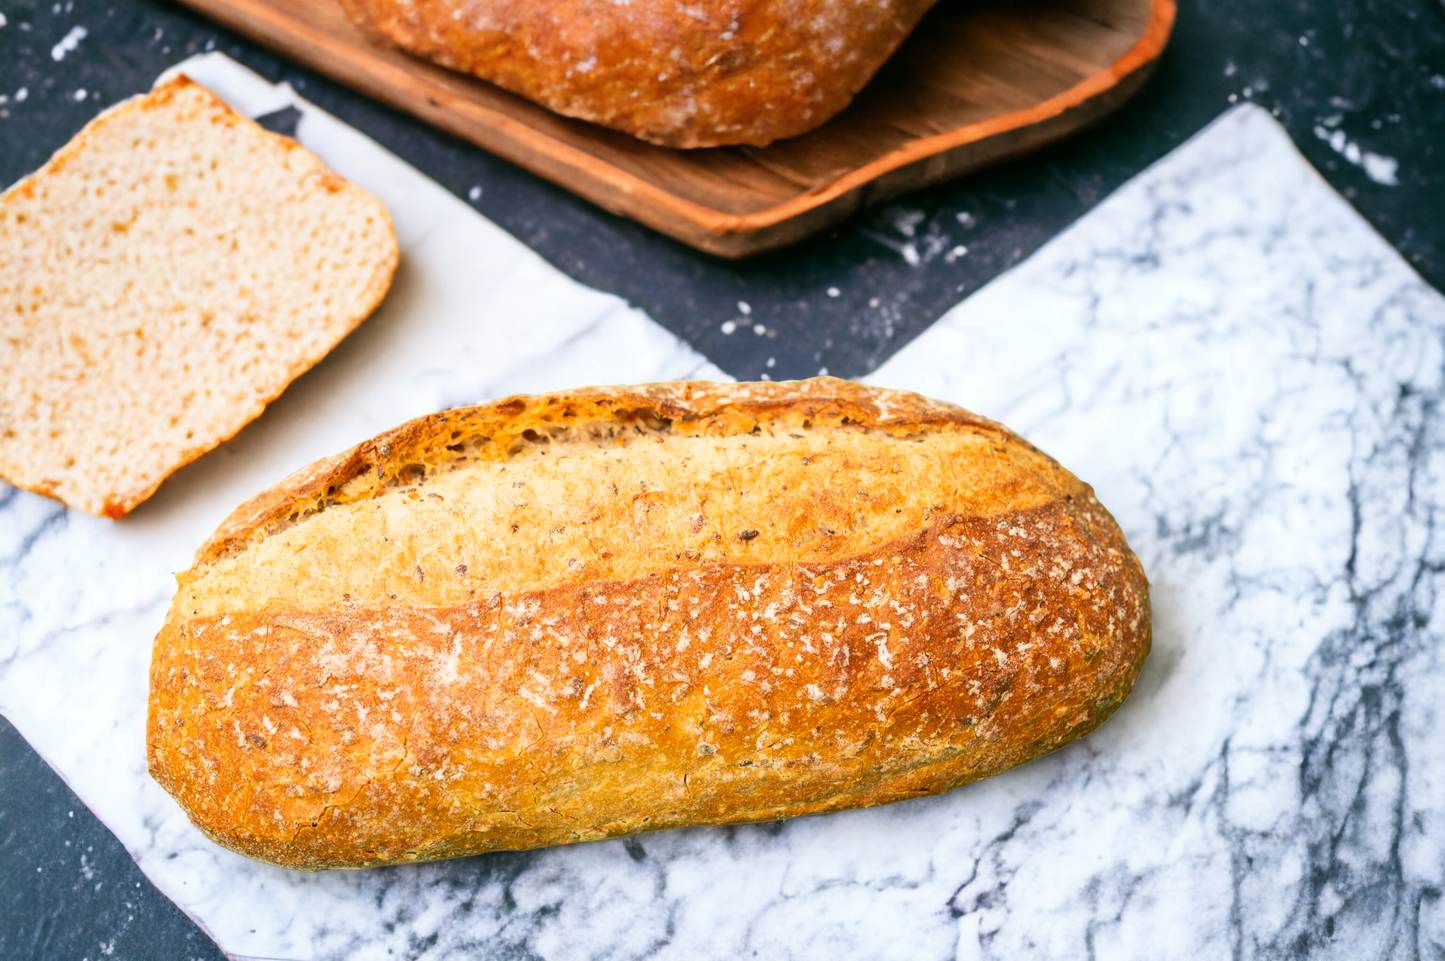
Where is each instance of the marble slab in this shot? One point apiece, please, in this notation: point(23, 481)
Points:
point(1252, 380)
point(1249, 376)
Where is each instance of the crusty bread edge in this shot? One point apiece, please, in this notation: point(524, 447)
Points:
point(728, 406)
point(118, 506)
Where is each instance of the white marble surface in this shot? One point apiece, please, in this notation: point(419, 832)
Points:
point(1251, 378)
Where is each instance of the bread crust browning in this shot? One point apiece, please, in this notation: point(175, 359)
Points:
point(694, 406)
point(774, 677)
point(704, 74)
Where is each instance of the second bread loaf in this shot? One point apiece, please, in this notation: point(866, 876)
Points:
point(703, 74)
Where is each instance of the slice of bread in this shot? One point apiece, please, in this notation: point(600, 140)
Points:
point(165, 276)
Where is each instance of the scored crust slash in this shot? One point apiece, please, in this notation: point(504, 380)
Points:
point(580, 615)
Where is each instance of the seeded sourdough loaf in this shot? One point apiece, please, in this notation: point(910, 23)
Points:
point(575, 616)
point(162, 279)
point(700, 74)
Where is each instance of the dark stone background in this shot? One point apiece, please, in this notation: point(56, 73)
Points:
point(1371, 69)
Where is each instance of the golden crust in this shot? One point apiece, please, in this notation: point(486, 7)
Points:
point(693, 406)
point(776, 678)
point(705, 74)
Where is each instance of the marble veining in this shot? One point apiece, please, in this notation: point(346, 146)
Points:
point(1251, 379)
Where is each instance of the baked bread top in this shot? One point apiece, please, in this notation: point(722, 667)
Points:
point(571, 616)
point(522, 492)
point(162, 279)
point(705, 73)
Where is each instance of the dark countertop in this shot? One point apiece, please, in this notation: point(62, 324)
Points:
point(1373, 73)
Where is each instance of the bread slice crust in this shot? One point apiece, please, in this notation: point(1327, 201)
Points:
point(163, 278)
point(700, 672)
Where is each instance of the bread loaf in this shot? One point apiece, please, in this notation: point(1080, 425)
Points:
point(162, 279)
point(575, 616)
point(704, 74)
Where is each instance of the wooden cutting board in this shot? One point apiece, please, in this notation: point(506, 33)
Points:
point(978, 82)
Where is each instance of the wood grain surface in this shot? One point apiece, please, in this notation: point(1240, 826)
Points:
point(980, 81)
